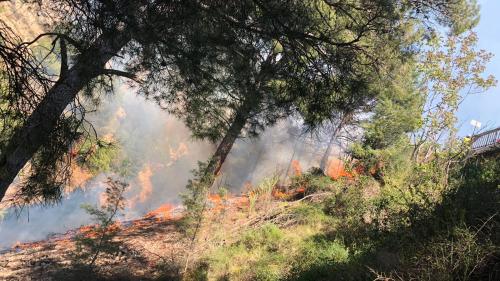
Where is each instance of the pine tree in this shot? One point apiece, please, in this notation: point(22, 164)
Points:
point(150, 39)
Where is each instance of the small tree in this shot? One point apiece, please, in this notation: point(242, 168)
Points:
point(447, 76)
point(100, 238)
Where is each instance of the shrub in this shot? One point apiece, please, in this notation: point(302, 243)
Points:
point(309, 214)
point(259, 255)
point(318, 259)
point(458, 255)
point(268, 236)
point(312, 182)
point(99, 239)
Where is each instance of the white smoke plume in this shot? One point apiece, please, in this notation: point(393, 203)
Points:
point(161, 154)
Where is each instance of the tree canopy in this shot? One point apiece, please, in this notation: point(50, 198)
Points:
point(311, 57)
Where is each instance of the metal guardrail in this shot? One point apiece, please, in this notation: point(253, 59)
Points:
point(486, 140)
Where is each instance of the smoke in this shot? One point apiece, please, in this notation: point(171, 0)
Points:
point(283, 150)
point(159, 154)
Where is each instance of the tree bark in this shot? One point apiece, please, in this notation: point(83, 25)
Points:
point(227, 142)
point(324, 160)
point(35, 132)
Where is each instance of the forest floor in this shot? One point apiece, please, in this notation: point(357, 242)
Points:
point(151, 248)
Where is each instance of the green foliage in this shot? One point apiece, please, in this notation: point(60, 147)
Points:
point(262, 191)
point(98, 156)
point(459, 255)
point(314, 181)
point(397, 111)
point(312, 214)
point(447, 75)
point(194, 199)
point(260, 254)
point(347, 205)
point(50, 168)
point(422, 230)
point(319, 259)
point(99, 239)
point(268, 236)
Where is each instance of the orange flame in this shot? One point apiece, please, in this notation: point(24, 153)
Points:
point(279, 194)
point(90, 231)
point(144, 178)
point(79, 176)
point(218, 202)
point(336, 170)
point(175, 154)
point(27, 245)
point(120, 113)
point(297, 169)
point(164, 212)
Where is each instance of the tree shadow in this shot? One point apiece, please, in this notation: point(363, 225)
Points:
point(128, 265)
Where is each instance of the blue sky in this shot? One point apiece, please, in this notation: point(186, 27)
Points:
point(485, 107)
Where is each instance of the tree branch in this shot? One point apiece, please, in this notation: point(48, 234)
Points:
point(125, 74)
point(60, 35)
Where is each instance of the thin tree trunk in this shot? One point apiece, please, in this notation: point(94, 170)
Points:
point(216, 162)
point(36, 130)
point(227, 142)
point(324, 160)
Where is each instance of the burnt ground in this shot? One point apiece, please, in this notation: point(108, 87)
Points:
point(151, 248)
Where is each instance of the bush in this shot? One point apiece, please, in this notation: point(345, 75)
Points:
point(99, 238)
point(258, 255)
point(268, 236)
point(458, 255)
point(312, 182)
point(319, 259)
point(309, 214)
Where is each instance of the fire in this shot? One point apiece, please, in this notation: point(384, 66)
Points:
point(215, 198)
point(27, 245)
point(144, 178)
point(279, 194)
point(79, 177)
point(120, 113)
point(336, 169)
point(181, 150)
point(297, 169)
point(164, 212)
point(109, 138)
point(91, 231)
point(218, 203)
point(88, 231)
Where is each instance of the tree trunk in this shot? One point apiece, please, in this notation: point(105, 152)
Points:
point(36, 130)
point(324, 160)
point(227, 142)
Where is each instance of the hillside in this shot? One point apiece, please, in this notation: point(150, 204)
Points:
point(320, 229)
point(151, 248)
point(199, 140)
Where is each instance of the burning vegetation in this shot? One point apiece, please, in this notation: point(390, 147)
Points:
point(258, 93)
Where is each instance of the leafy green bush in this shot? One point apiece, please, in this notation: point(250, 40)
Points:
point(458, 255)
point(260, 254)
point(319, 258)
point(268, 236)
point(309, 214)
point(194, 199)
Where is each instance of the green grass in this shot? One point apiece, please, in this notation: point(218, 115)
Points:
point(391, 233)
